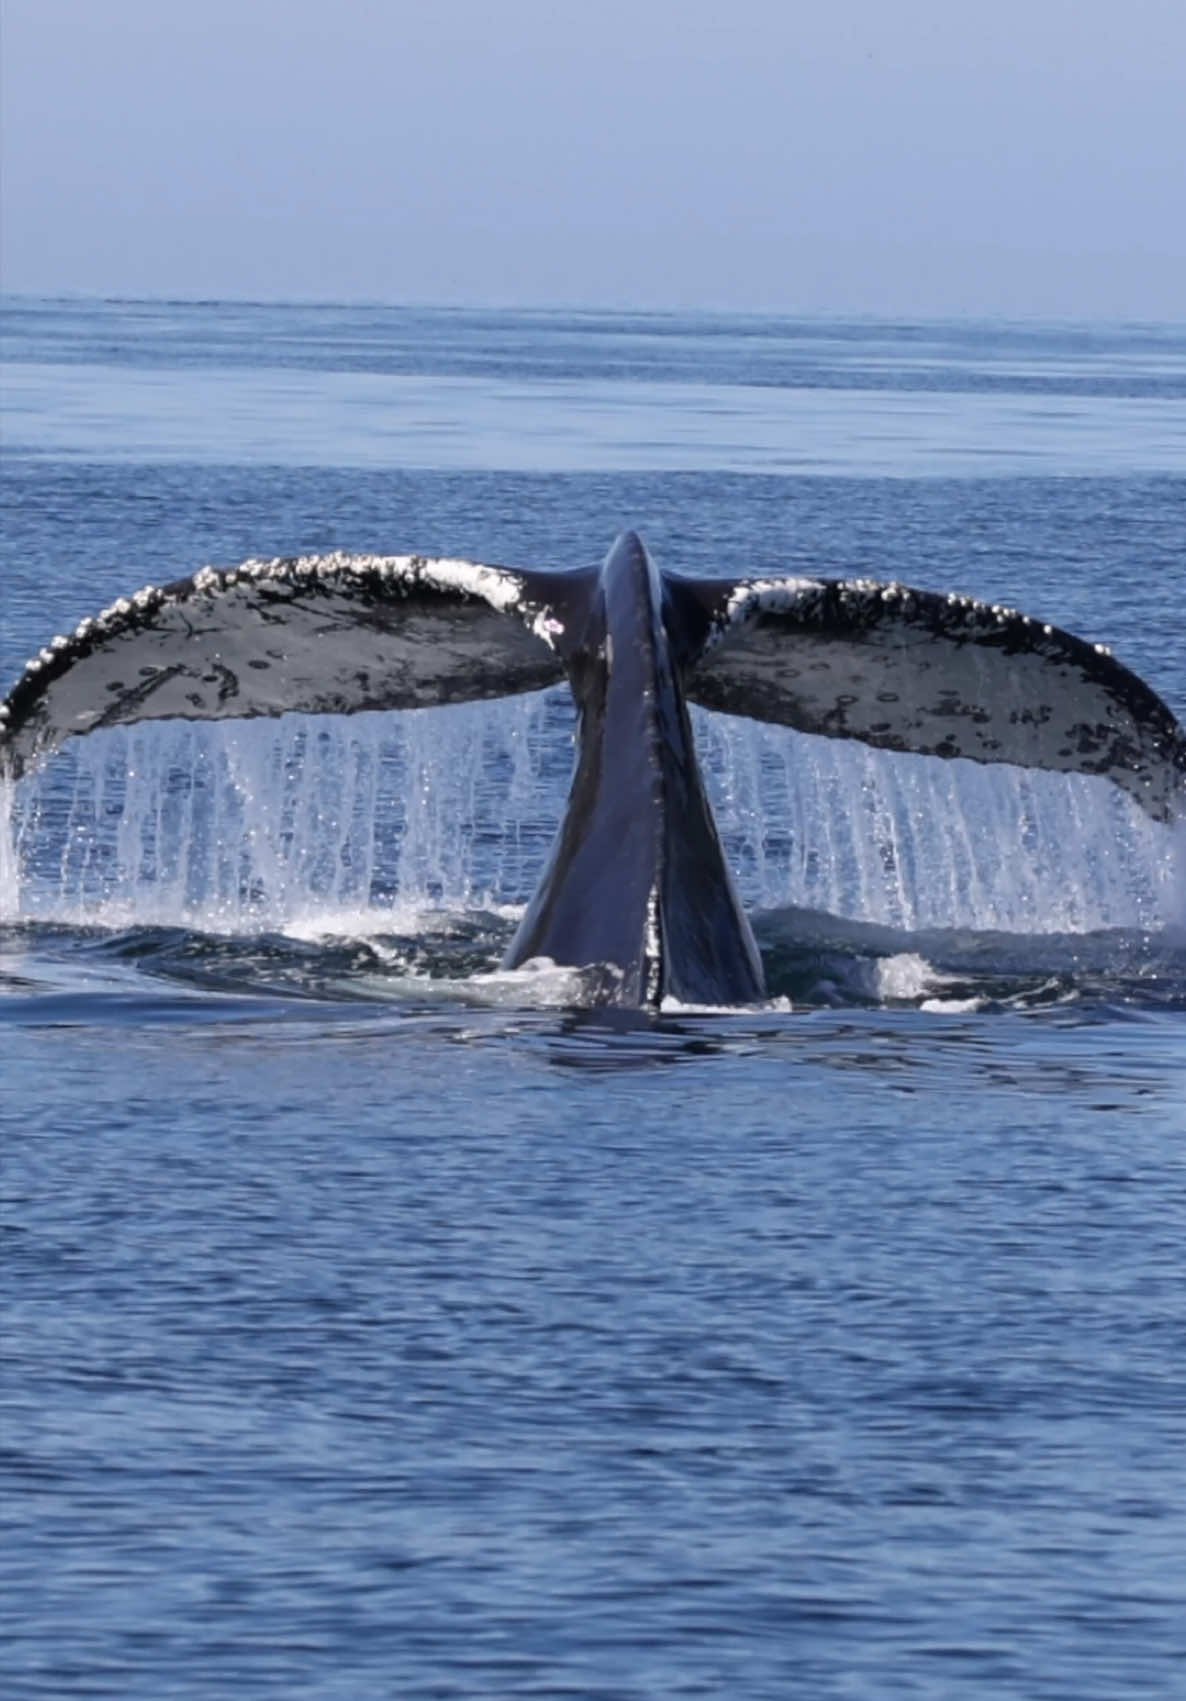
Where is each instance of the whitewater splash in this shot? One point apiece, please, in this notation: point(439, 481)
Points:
point(360, 825)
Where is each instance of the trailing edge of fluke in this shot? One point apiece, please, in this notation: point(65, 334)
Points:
point(637, 879)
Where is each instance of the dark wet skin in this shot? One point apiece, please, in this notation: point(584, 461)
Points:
point(637, 877)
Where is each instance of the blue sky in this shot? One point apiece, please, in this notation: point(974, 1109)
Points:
point(900, 157)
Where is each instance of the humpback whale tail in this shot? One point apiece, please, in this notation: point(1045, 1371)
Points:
point(637, 878)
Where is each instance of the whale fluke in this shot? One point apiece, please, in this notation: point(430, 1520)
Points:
point(637, 878)
point(330, 634)
point(934, 675)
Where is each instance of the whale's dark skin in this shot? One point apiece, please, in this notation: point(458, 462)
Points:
point(637, 881)
point(637, 878)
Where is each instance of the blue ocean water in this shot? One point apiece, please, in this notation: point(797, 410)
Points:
point(376, 1324)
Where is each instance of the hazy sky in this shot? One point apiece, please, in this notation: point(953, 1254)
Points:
point(894, 156)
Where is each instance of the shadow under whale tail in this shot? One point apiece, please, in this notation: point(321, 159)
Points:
point(637, 878)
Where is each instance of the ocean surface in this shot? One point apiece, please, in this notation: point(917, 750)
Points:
point(375, 1323)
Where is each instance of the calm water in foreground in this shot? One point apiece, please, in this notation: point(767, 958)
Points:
point(375, 1324)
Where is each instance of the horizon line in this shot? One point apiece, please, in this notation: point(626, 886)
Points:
point(961, 317)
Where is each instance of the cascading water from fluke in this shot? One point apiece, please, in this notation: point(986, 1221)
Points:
point(361, 825)
point(913, 843)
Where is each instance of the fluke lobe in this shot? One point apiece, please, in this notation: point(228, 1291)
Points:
point(636, 879)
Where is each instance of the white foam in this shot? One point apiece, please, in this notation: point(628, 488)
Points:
point(538, 983)
point(678, 1007)
point(905, 978)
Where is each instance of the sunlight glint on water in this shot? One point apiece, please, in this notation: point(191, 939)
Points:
point(361, 825)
